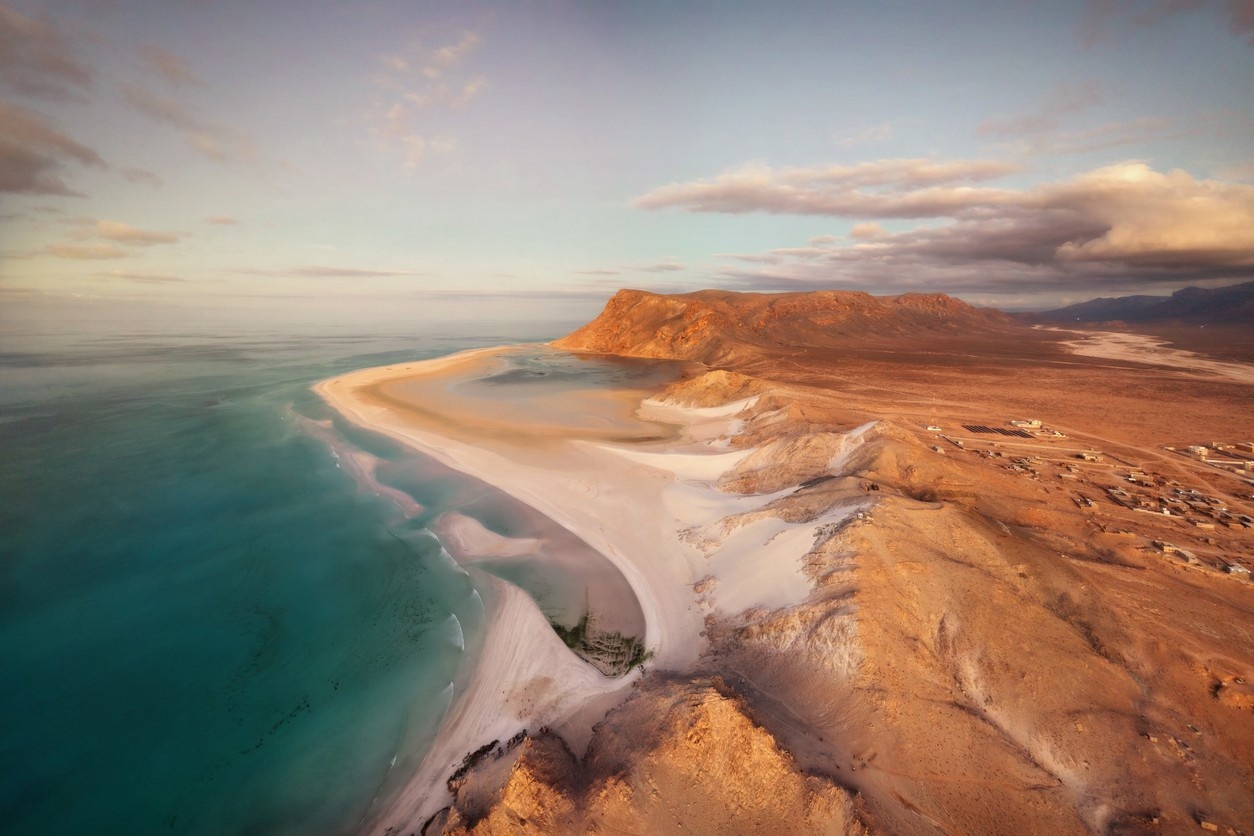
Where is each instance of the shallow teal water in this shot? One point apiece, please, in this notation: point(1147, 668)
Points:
point(206, 626)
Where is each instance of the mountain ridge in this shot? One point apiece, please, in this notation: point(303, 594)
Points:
point(718, 325)
point(1231, 304)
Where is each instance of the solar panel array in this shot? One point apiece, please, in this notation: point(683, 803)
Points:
point(979, 428)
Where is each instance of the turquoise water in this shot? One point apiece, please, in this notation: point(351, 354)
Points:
point(206, 625)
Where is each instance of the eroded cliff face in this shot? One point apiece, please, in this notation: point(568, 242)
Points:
point(973, 658)
point(681, 755)
point(720, 327)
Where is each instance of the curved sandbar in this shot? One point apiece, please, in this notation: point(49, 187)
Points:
point(525, 677)
point(635, 480)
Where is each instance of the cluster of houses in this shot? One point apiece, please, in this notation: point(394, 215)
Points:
point(1203, 511)
point(1232, 567)
point(1236, 457)
point(1141, 491)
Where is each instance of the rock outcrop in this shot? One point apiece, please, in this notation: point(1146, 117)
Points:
point(682, 756)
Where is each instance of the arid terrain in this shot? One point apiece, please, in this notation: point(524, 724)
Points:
point(1039, 627)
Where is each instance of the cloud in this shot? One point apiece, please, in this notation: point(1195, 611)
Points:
point(85, 251)
point(1064, 100)
point(665, 266)
point(416, 86)
point(167, 66)
point(909, 188)
point(1105, 16)
point(33, 153)
point(1126, 212)
point(450, 55)
point(662, 267)
point(864, 136)
point(112, 240)
point(1044, 131)
point(215, 142)
point(331, 272)
point(470, 90)
point(221, 220)
point(140, 175)
point(132, 236)
point(862, 230)
point(140, 278)
point(1241, 19)
point(39, 60)
point(1120, 224)
point(415, 149)
point(1155, 219)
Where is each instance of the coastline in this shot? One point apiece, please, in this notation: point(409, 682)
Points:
point(811, 559)
point(598, 486)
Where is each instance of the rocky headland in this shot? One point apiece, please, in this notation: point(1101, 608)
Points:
point(987, 639)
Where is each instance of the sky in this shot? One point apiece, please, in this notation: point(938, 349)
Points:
point(352, 161)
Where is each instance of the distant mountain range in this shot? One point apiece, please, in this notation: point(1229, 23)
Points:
point(1233, 304)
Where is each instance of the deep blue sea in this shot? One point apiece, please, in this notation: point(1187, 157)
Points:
point(207, 626)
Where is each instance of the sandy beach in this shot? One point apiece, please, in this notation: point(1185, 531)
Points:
point(640, 492)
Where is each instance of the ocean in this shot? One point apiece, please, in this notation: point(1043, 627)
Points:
point(207, 624)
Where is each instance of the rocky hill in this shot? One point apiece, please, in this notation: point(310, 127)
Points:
point(1233, 304)
point(718, 326)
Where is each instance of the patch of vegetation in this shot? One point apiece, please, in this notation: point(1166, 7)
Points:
point(469, 761)
point(613, 654)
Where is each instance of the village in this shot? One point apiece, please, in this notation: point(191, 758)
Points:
point(1193, 504)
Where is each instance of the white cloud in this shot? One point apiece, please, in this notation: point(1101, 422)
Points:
point(869, 229)
point(139, 277)
point(908, 188)
point(450, 55)
point(1119, 224)
point(85, 251)
point(133, 236)
point(415, 148)
point(1126, 212)
point(1158, 219)
point(417, 86)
